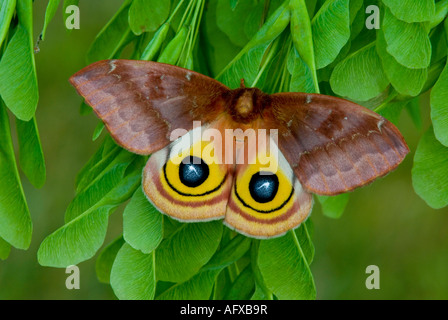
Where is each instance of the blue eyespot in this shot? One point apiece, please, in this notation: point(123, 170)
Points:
point(263, 186)
point(193, 171)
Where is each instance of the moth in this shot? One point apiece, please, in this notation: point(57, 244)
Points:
point(322, 144)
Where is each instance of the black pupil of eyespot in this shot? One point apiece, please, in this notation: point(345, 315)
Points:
point(263, 186)
point(193, 171)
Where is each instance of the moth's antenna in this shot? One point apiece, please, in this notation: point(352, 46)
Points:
point(242, 85)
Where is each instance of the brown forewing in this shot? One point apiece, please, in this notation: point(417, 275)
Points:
point(141, 102)
point(332, 144)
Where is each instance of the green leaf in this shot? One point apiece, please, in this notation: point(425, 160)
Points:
point(234, 3)
point(358, 20)
point(360, 76)
point(301, 33)
point(434, 72)
point(201, 284)
point(246, 66)
point(381, 99)
point(115, 35)
point(52, 7)
point(408, 43)
point(25, 15)
point(304, 237)
point(18, 80)
point(392, 110)
point(261, 291)
point(325, 73)
point(222, 285)
point(104, 156)
point(155, 44)
point(76, 241)
point(430, 171)
point(198, 287)
point(142, 223)
point(186, 250)
point(106, 258)
point(231, 21)
point(273, 27)
point(301, 75)
point(6, 12)
point(302, 38)
point(79, 239)
point(440, 14)
point(170, 226)
point(331, 31)
point(162, 286)
point(220, 50)
point(127, 186)
point(258, 293)
point(439, 107)
point(413, 108)
point(15, 220)
point(406, 81)
point(333, 207)
point(5, 249)
point(355, 6)
point(133, 274)
point(148, 15)
point(439, 44)
point(99, 188)
point(229, 253)
point(285, 268)
point(243, 286)
point(173, 50)
point(31, 157)
point(98, 130)
point(247, 63)
point(311, 6)
point(85, 109)
point(412, 10)
point(274, 75)
point(253, 19)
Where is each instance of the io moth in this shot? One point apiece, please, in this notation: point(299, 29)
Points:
point(316, 144)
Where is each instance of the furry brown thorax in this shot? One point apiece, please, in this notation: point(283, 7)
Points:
point(246, 104)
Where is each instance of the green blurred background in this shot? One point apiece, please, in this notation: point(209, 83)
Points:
point(385, 224)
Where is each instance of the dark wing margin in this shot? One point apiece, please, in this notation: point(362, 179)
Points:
point(142, 102)
point(332, 144)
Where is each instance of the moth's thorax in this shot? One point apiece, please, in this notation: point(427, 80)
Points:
point(245, 104)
